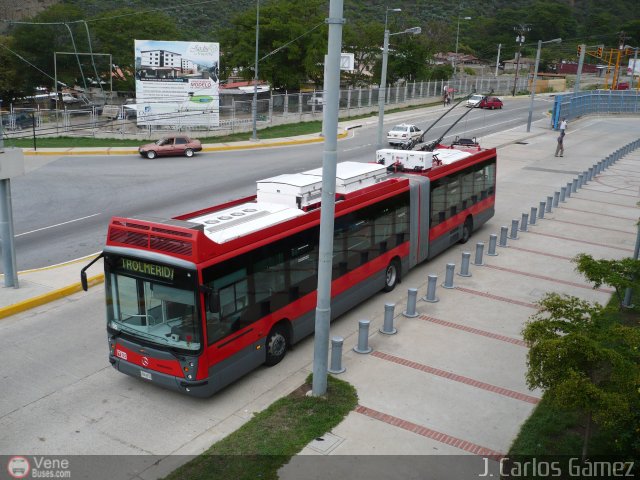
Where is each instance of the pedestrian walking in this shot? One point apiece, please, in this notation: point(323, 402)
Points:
point(563, 125)
point(560, 147)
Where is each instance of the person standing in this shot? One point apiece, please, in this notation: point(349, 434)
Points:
point(560, 147)
point(563, 125)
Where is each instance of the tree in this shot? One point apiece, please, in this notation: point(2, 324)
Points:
point(619, 274)
point(364, 40)
point(11, 73)
point(584, 361)
point(292, 34)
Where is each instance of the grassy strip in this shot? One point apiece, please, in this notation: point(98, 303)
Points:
point(278, 131)
point(553, 430)
point(266, 442)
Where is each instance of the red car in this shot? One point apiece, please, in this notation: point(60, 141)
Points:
point(174, 145)
point(490, 102)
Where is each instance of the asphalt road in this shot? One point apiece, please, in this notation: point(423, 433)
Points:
point(62, 206)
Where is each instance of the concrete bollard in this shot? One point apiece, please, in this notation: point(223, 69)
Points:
point(514, 229)
point(412, 299)
point(432, 280)
point(363, 337)
point(493, 240)
point(387, 325)
point(534, 216)
point(556, 199)
point(335, 366)
point(448, 277)
point(464, 267)
point(525, 222)
point(504, 230)
point(479, 254)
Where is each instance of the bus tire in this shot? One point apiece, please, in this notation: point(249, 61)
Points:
point(151, 154)
point(467, 229)
point(276, 345)
point(391, 275)
point(188, 153)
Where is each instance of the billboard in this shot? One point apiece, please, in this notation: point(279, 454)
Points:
point(177, 83)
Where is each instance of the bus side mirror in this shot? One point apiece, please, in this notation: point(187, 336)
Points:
point(83, 281)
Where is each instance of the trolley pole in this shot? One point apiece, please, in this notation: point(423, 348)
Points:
point(329, 162)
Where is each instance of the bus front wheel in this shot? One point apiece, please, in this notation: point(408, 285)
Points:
point(467, 228)
point(276, 345)
point(391, 276)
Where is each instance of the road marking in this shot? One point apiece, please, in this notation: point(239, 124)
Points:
point(57, 225)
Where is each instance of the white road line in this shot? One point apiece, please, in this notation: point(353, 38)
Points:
point(57, 225)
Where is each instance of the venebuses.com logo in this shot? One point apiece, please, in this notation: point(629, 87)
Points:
point(18, 467)
point(38, 467)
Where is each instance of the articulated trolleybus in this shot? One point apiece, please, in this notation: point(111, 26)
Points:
point(197, 301)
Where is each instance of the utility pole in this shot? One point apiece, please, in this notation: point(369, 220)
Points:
point(521, 29)
point(576, 87)
point(498, 59)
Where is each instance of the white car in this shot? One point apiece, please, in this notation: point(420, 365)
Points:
point(474, 100)
point(403, 133)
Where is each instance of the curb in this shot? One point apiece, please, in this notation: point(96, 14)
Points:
point(48, 297)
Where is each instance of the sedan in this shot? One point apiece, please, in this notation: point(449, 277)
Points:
point(174, 145)
point(402, 133)
point(490, 102)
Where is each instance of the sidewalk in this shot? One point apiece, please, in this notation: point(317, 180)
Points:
point(449, 387)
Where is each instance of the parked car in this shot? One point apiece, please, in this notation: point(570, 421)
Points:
point(490, 103)
point(402, 133)
point(474, 100)
point(173, 145)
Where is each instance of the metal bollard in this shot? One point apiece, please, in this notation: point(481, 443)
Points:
point(503, 236)
point(448, 278)
point(569, 189)
point(336, 356)
point(387, 326)
point(549, 204)
point(525, 222)
point(590, 173)
point(514, 229)
point(432, 280)
point(574, 185)
point(534, 216)
point(479, 254)
point(580, 180)
point(541, 210)
point(556, 199)
point(464, 268)
point(563, 194)
point(412, 298)
point(493, 240)
point(363, 337)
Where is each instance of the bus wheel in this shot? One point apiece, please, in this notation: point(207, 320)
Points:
point(467, 228)
point(276, 345)
point(391, 276)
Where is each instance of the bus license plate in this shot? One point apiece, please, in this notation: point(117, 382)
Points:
point(145, 375)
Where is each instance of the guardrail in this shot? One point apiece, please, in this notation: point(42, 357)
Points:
point(596, 102)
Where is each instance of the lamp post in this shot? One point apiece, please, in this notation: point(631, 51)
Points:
point(455, 58)
point(383, 76)
point(535, 76)
point(254, 103)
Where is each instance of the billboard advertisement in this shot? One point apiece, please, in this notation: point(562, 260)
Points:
point(177, 83)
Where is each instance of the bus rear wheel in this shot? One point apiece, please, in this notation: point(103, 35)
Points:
point(276, 345)
point(391, 276)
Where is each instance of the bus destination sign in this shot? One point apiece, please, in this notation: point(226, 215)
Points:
point(137, 266)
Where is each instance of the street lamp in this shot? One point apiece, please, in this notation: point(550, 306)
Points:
point(535, 76)
point(254, 104)
point(383, 76)
point(455, 58)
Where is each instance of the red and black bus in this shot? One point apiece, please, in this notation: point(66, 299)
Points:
point(197, 301)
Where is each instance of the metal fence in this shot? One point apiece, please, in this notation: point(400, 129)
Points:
point(236, 115)
point(596, 102)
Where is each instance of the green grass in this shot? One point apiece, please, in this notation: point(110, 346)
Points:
point(267, 441)
point(278, 131)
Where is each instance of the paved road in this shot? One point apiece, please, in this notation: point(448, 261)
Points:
point(60, 396)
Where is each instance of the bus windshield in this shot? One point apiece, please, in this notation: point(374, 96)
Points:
point(158, 313)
